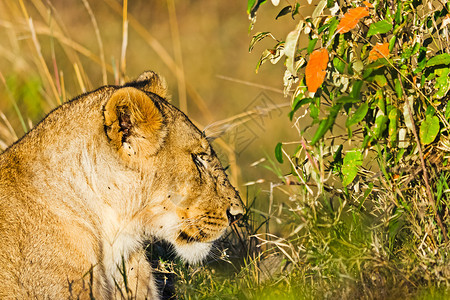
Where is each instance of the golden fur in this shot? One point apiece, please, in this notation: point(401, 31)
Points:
point(82, 191)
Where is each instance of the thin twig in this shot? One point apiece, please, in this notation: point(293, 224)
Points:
point(296, 171)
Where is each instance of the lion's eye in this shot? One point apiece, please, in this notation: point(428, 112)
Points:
point(199, 160)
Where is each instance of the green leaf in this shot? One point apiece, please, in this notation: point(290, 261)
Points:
point(351, 164)
point(279, 153)
point(392, 43)
point(358, 115)
point(284, 11)
point(295, 10)
point(442, 82)
point(256, 38)
point(312, 45)
point(323, 27)
point(326, 124)
point(441, 59)
point(379, 79)
point(265, 56)
point(380, 101)
point(398, 88)
point(379, 63)
point(314, 110)
point(298, 102)
point(347, 99)
point(337, 156)
point(250, 4)
point(393, 125)
point(331, 26)
point(380, 27)
point(399, 14)
point(430, 111)
point(356, 89)
point(406, 52)
point(253, 6)
point(334, 112)
point(429, 129)
point(447, 111)
point(323, 127)
point(367, 139)
point(343, 45)
point(339, 65)
point(380, 124)
point(416, 48)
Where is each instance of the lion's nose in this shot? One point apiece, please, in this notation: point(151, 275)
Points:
point(233, 218)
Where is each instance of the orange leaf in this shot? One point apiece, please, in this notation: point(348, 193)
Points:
point(368, 4)
point(351, 18)
point(379, 51)
point(315, 69)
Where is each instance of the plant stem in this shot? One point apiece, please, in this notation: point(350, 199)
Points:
point(424, 170)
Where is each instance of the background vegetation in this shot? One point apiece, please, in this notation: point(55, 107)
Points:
point(339, 147)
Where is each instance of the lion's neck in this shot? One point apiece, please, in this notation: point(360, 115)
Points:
point(103, 196)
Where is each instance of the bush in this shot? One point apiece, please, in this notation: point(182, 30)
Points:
point(368, 212)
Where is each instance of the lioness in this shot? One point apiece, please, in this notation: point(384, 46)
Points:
point(101, 174)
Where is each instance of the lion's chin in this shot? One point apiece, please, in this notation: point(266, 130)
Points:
point(194, 252)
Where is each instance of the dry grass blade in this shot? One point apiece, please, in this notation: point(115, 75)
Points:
point(59, 27)
point(178, 55)
point(64, 40)
point(165, 57)
point(79, 78)
point(123, 54)
point(259, 86)
point(7, 132)
point(219, 128)
point(99, 41)
point(41, 59)
point(16, 108)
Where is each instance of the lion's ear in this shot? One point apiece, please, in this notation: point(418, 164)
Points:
point(151, 82)
point(133, 123)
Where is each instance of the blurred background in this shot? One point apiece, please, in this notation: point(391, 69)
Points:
point(52, 51)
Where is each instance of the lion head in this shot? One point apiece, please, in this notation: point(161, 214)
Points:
point(188, 200)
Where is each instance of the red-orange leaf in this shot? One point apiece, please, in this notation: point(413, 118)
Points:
point(379, 51)
point(351, 18)
point(368, 4)
point(315, 69)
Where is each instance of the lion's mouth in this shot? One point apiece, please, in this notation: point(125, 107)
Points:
point(184, 236)
point(197, 235)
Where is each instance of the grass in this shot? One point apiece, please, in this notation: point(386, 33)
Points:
point(374, 241)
